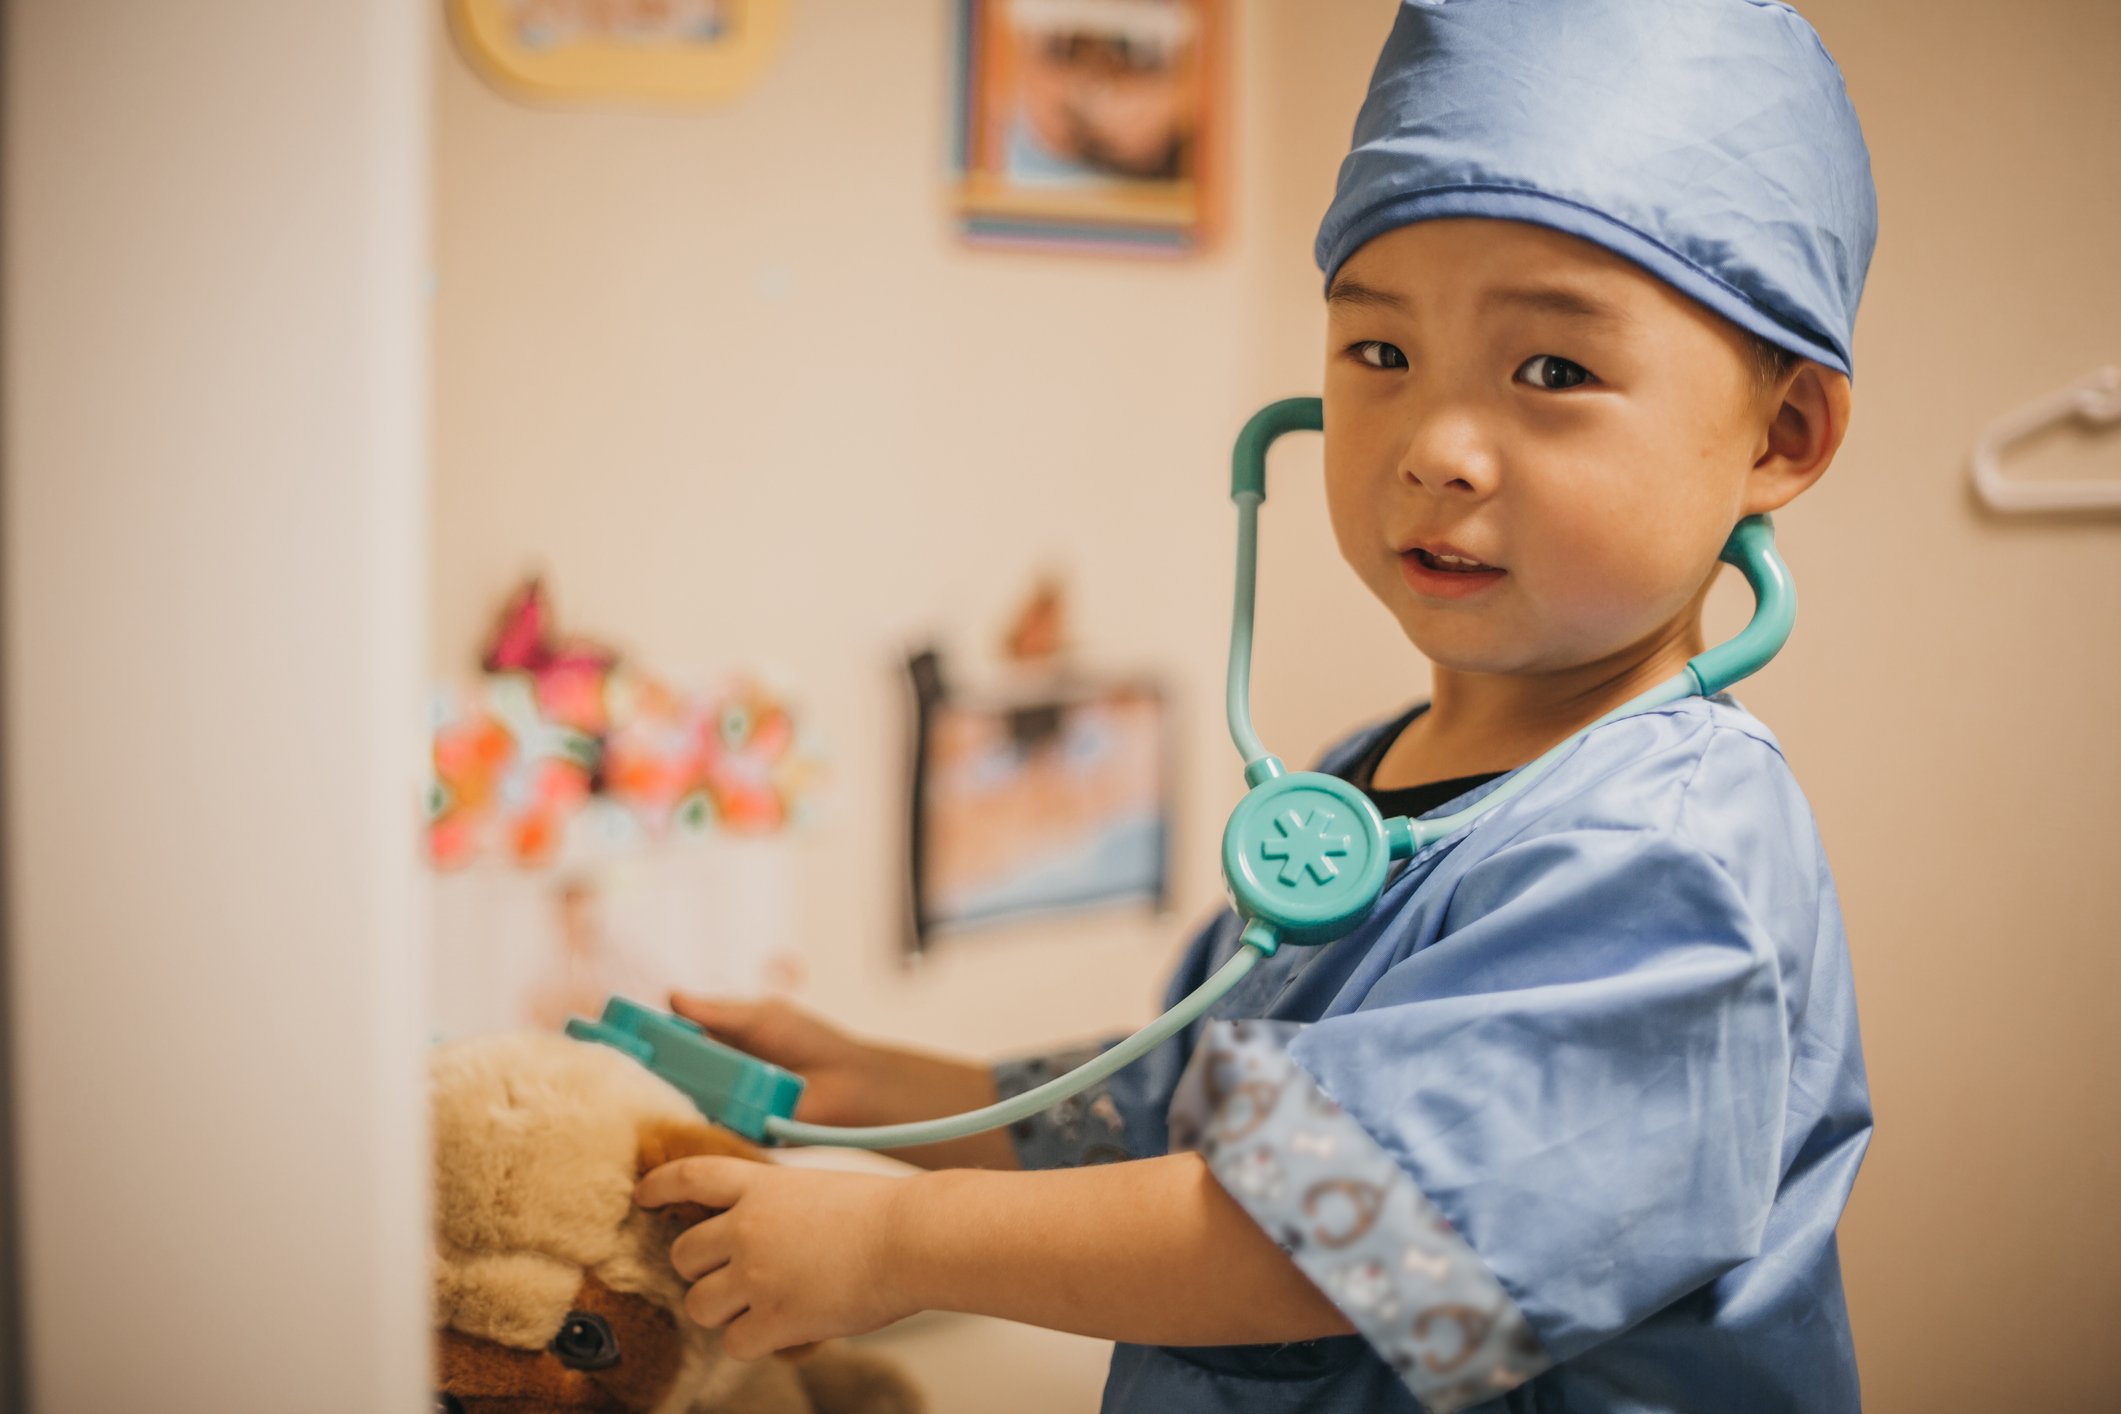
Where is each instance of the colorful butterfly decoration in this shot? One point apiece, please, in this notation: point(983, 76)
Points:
point(560, 748)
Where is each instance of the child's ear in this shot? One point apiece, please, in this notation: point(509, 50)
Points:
point(1810, 416)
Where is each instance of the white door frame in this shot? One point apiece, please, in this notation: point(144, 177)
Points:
point(214, 549)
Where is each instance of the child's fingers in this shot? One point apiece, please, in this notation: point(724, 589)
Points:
point(712, 1181)
point(714, 1299)
point(700, 1249)
point(747, 1337)
point(723, 1018)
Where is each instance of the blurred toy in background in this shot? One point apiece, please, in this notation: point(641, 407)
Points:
point(552, 1291)
point(561, 749)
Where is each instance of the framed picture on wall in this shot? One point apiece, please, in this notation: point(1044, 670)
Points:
point(1089, 123)
point(624, 53)
point(1049, 802)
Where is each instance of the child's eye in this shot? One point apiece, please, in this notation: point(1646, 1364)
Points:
point(1379, 354)
point(1550, 371)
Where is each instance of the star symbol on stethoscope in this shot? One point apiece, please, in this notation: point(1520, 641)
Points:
point(1306, 847)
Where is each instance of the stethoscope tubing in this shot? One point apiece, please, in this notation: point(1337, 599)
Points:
point(1031, 1102)
point(1751, 548)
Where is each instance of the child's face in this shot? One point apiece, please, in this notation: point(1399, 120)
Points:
point(1520, 398)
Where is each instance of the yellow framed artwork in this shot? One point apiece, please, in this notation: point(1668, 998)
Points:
point(652, 53)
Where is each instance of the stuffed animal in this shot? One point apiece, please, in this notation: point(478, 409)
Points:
point(552, 1290)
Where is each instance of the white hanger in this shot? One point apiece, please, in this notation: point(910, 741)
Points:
point(2094, 398)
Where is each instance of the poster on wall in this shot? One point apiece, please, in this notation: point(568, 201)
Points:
point(597, 830)
point(656, 53)
point(1046, 791)
point(522, 948)
point(1088, 124)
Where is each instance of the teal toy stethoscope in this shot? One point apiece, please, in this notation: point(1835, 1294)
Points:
point(1305, 855)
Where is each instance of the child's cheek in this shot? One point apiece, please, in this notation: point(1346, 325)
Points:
point(1355, 510)
point(1599, 595)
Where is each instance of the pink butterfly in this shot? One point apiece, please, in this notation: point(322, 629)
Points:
point(568, 676)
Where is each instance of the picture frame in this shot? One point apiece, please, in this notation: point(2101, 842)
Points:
point(1090, 124)
point(1052, 800)
point(640, 53)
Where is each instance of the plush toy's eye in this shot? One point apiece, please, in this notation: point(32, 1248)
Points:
point(585, 1342)
point(446, 1403)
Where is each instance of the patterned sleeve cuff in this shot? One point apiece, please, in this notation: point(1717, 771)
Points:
point(1356, 1225)
point(1083, 1129)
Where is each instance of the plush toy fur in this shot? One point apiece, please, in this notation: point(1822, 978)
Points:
point(538, 1141)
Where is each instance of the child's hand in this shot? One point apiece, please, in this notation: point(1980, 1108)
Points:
point(844, 1081)
point(850, 1082)
point(1153, 1251)
point(796, 1255)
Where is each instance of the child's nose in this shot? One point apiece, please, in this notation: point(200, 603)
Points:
point(1446, 451)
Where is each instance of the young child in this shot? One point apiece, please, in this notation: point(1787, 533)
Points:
point(1568, 1121)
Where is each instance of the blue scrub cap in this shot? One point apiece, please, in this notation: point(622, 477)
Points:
point(1709, 141)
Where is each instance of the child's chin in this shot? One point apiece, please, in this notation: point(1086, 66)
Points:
point(1491, 663)
point(1463, 651)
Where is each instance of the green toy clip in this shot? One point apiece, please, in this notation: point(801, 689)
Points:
point(734, 1090)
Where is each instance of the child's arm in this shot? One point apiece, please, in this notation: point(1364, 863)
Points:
point(851, 1082)
point(1151, 1251)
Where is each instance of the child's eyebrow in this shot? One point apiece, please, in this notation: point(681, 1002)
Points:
point(1554, 299)
point(1545, 299)
point(1350, 291)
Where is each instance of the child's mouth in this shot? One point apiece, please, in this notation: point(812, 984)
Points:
point(1451, 564)
point(1445, 574)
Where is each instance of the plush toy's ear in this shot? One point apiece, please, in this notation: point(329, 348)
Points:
point(662, 1141)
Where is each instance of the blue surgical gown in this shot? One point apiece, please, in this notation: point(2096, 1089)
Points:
point(1566, 1124)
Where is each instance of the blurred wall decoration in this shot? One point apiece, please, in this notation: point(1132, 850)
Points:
point(677, 53)
point(1045, 792)
point(559, 752)
point(1042, 803)
point(603, 831)
point(1088, 123)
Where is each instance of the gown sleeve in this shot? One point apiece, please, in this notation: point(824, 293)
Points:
point(1558, 1117)
point(1124, 1115)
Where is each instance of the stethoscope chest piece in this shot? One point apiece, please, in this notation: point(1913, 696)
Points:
point(1307, 853)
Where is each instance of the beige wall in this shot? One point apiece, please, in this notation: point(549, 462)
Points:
point(1984, 1245)
point(214, 552)
point(733, 382)
point(730, 379)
